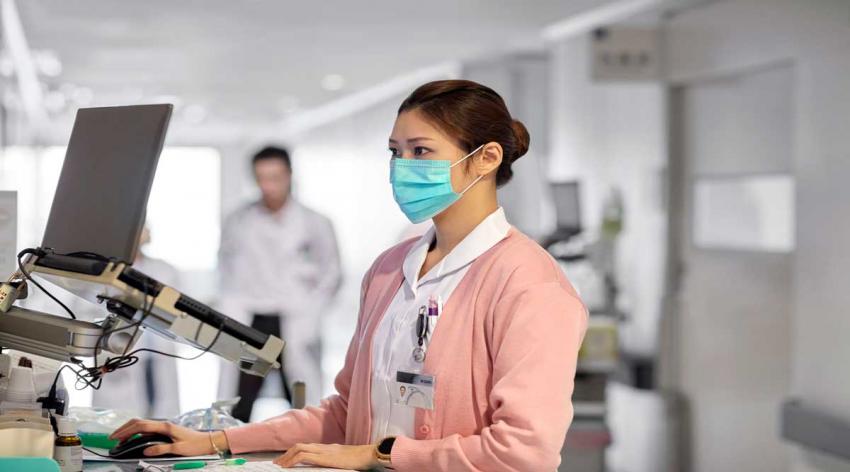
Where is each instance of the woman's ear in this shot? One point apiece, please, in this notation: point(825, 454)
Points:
point(489, 158)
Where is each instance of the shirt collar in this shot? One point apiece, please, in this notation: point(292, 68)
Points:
point(290, 208)
point(487, 234)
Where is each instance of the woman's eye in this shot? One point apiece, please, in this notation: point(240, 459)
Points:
point(419, 150)
point(394, 153)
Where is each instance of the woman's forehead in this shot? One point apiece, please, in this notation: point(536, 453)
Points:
point(412, 126)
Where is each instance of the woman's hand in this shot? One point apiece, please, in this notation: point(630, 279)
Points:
point(187, 442)
point(330, 455)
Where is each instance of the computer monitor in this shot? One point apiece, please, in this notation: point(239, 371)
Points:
point(567, 205)
point(103, 190)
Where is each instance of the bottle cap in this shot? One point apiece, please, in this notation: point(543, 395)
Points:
point(66, 426)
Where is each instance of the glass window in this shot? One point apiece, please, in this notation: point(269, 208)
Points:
point(753, 213)
point(183, 215)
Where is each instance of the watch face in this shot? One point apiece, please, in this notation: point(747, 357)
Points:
point(386, 446)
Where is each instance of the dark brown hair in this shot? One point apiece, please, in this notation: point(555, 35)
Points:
point(272, 152)
point(472, 114)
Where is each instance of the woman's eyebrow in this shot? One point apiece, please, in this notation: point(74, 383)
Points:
point(413, 140)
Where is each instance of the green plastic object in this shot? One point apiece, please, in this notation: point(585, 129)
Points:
point(100, 440)
point(189, 465)
point(201, 464)
point(28, 464)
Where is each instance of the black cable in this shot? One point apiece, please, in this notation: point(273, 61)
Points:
point(149, 467)
point(97, 454)
point(93, 376)
point(175, 356)
point(27, 276)
point(112, 364)
point(91, 255)
point(127, 359)
point(146, 309)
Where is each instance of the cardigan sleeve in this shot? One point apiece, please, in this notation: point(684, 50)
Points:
point(536, 337)
point(322, 424)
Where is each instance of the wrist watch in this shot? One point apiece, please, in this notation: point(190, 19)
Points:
point(383, 451)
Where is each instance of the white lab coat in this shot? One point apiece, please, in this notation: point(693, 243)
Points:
point(125, 389)
point(283, 262)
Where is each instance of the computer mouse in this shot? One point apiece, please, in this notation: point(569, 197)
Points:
point(133, 448)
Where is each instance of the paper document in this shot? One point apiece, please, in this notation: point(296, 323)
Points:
point(269, 466)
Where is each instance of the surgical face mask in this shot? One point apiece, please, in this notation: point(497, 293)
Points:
point(423, 188)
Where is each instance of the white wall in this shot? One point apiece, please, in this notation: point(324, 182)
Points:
point(725, 37)
point(822, 325)
point(613, 135)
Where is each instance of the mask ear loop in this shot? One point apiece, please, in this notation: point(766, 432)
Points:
point(467, 156)
point(463, 159)
point(470, 185)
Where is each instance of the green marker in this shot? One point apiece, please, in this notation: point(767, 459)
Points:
point(201, 464)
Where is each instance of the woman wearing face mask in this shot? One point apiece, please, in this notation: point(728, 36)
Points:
point(467, 338)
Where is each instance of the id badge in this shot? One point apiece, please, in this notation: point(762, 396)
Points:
point(414, 390)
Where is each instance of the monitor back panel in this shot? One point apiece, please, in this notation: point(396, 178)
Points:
point(103, 190)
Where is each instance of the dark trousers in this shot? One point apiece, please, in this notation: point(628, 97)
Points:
point(250, 385)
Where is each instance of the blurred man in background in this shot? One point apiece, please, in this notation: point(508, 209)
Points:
point(280, 269)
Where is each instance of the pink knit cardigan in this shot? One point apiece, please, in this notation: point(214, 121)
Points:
point(504, 357)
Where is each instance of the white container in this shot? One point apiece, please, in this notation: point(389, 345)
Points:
point(21, 388)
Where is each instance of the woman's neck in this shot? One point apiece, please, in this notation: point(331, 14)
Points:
point(454, 224)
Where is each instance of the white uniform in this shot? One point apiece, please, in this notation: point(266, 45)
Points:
point(284, 262)
point(126, 389)
point(395, 338)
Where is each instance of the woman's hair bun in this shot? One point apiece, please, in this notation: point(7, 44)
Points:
point(521, 139)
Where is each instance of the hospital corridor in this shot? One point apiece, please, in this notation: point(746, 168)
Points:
point(469, 235)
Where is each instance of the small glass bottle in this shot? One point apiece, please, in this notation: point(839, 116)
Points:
point(68, 447)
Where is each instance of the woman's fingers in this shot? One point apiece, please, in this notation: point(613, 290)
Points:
point(310, 458)
point(115, 434)
point(307, 453)
point(286, 459)
point(329, 455)
point(296, 458)
point(141, 426)
point(158, 450)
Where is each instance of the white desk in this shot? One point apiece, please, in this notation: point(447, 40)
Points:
point(131, 466)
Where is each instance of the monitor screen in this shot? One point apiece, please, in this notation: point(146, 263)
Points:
point(567, 204)
point(100, 201)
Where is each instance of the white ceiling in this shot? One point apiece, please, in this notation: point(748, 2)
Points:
point(246, 64)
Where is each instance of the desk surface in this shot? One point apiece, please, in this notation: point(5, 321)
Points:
point(131, 466)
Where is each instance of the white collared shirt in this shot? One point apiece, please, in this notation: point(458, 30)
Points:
point(283, 261)
point(395, 338)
